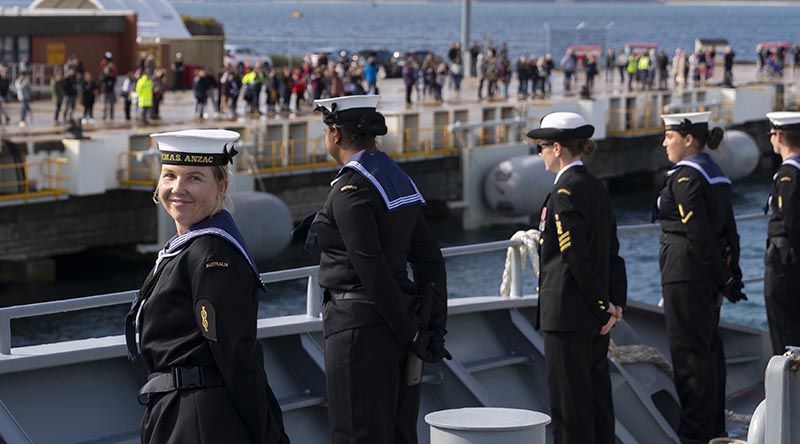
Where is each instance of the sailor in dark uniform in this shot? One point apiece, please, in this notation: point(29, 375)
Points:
point(782, 263)
point(369, 229)
point(195, 316)
point(699, 261)
point(582, 285)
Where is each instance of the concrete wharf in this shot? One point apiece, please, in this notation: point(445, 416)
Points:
point(61, 194)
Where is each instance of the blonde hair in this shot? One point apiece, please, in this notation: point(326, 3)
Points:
point(222, 173)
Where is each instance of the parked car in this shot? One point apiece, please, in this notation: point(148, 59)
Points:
point(335, 55)
point(247, 56)
point(384, 57)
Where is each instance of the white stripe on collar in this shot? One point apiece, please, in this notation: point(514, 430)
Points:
point(570, 165)
point(696, 166)
point(391, 204)
point(792, 162)
point(174, 246)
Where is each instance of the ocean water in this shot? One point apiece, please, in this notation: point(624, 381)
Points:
point(270, 27)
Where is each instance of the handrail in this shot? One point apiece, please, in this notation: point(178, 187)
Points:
point(313, 295)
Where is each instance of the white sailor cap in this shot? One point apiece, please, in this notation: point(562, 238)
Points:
point(784, 120)
point(562, 126)
point(347, 109)
point(198, 147)
point(686, 121)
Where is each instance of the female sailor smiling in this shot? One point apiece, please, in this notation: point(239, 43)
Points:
point(196, 312)
point(699, 261)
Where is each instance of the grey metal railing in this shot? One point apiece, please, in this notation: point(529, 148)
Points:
point(313, 293)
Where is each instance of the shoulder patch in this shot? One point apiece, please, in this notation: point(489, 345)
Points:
point(683, 179)
point(348, 187)
point(786, 179)
point(217, 264)
point(564, 191)
point(206, 316)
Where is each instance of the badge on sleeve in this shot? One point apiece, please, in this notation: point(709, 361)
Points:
point(206, 316)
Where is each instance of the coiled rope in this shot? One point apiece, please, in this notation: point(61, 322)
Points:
point(528, 249)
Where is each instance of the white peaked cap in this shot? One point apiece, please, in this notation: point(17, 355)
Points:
point(562, 126)
point(784, 120)
point(677, 120)
point(349, 102)
point(197, 146)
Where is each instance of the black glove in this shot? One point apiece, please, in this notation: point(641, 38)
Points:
point(422, 305)
point(429, 346)
point(733, 291)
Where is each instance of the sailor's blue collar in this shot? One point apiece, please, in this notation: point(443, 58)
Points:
point(793, 161)
point(220, 224)
point(393, 184)
point(703, 163)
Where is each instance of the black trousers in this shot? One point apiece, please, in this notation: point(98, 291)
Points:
point(368, 401)
point(581, 406)
point(692, 314)
point(782, 298)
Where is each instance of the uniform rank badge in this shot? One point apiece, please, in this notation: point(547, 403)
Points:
point(206, 316)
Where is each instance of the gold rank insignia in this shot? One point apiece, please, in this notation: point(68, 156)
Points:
point(564, 191)
point(206, 316)
point(780, 202)
point(348, 187)
point(786, 179)
point(564, 241)
point(683, 179)
point(685, 216)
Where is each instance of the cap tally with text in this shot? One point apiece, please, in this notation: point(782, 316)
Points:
point(347, 109)
point(784, 120)
point(686, 121)
point(562, 126)
point(197, 147)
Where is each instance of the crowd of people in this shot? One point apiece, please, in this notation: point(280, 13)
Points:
point(258, 89)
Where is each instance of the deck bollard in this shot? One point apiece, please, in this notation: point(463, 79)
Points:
point(487, 425)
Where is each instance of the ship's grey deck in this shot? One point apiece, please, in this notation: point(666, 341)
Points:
point(85, 391)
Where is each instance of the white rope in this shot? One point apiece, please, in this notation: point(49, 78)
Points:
point(528, 249)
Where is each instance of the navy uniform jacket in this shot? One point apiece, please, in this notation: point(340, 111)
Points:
point(581, 270)
point(366, 248)
point(200, 309)
point(699, 238)
point(785, 205)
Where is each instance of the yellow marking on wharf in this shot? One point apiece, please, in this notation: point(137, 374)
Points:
point(204, 317)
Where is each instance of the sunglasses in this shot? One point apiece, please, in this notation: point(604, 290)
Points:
point(539, 147)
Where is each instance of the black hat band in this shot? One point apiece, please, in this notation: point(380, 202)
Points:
point(787, 127)
point(686, 125)
point(199, 159)
point(343, 117)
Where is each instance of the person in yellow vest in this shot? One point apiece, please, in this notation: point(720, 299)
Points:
point(144, 89)
point(633, 61)
point(643, 70)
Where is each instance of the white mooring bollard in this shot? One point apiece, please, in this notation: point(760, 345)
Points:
point(487, 425)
